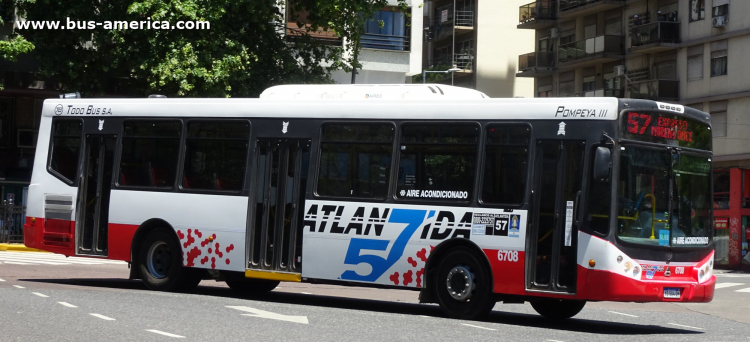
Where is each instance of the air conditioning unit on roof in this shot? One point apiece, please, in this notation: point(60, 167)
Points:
point(720, 21)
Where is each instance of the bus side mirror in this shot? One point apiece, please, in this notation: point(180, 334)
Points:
point(602, 164)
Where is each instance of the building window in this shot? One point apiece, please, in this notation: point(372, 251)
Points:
point(355, 160)
point(695, 63)
point(150, 150)
point(718, 110)
point(506, 164)
point(393, 35)
point(216, 155)
point(718, 63)
point(589, 83)
point(438, 161)
point(66, 149)
point(697, 10)
point(721, 10)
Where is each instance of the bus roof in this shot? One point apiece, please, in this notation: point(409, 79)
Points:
point(416, 109)
point(370, 91)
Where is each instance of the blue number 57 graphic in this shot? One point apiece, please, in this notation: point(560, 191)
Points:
point(354, 256)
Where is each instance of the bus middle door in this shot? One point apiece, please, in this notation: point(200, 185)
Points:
point(275, 232)
point(558, 172)
point(92, 223)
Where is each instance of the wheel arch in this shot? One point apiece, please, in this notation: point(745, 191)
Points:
point(427, 294)
point(140, 234)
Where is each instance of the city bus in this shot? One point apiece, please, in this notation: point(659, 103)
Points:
point(469, 200)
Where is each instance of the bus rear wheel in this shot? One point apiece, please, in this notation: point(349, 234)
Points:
point(251, 286)
point(462, 285)
point(557, 308)
point(160, 263)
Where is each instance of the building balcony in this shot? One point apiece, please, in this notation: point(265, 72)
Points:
point(463, 61)
point(326, 36)
point(465, 19)
point(536, 64)
point(570, 8)
point(657, 90)
point(605, 93)
point(655, 37)
point(537, 15)
point(591, 51)
point(385, 42)
point(444, 26)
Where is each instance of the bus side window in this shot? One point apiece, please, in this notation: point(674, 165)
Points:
point(439, 161)
point(355, 160)
point(150, 149)
point(65, 149)
point(598, 202)
point(216, 155)
point(506, 162)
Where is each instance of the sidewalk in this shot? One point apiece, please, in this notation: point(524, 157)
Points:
point(18, 247)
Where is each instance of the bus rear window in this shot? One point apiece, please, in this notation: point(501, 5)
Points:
point(65, 149)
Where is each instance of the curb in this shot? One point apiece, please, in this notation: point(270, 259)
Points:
point(18, 247)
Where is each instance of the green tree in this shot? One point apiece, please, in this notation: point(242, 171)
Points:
point(244, 51)
point(15, 45)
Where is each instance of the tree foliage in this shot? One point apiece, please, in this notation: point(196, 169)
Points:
point(244, 51)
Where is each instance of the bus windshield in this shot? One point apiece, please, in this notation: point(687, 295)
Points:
point(663, 198)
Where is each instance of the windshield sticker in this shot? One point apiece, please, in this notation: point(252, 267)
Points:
point(494, 224)
point(690, 240)
point(568, 223)
point(663, 237)
point(434, 194)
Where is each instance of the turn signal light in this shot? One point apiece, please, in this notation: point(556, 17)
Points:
point(592, 263)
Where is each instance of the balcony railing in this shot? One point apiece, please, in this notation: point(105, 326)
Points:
point(385, 42)
point(536, 60)
point(464, 61)
point(585, 48)
point(656, 32)
point(570, 4)
point(538, 10)
point(655, 90)
point(465, 18)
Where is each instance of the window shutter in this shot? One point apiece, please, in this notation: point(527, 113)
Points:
point(695, 68)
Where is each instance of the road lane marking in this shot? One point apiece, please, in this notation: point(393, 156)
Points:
point(164, 333)
point(1, 280)
point(552, 341)
point(476, 326)
point(270, 315)
point(67, 304)
point(744, 290)
point(723, 285)
point(305, 293)
point(624, 314)
point(21, 259)
point(41, 294)
point(102, 317)
point(15, 263)
point(18, 286)
point(685, 326)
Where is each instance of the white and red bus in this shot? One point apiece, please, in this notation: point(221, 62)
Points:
point(470, 200)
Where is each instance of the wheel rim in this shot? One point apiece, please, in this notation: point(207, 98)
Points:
point(159, 259)
point(460, 283)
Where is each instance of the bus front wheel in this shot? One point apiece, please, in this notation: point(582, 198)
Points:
point(557, 308)
point(160, 263)
point(462, 285)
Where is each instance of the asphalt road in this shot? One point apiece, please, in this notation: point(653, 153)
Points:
point(51, 298)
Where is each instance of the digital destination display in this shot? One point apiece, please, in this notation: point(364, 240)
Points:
point(667, 129)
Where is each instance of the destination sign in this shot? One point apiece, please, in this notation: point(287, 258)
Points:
point(670, 129)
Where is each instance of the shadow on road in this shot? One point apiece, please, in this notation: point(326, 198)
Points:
point(499, 317)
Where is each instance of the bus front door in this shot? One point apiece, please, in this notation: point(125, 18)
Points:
point(275, 231)
point(93, 195)
point(558, 172)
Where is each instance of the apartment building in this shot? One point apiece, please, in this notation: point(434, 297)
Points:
point(480, 39)
point(691, 52)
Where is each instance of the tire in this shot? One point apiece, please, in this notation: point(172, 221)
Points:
point(160, 263)
point(251, 286)
point(557, 308)
point(469, 295)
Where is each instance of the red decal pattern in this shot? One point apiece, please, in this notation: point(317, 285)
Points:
point(191, 253)
point(407, 278)
point(415, 276)
point(412, 262)
point(394, 278)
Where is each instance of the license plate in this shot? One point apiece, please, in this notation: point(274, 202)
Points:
point(671, 293)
